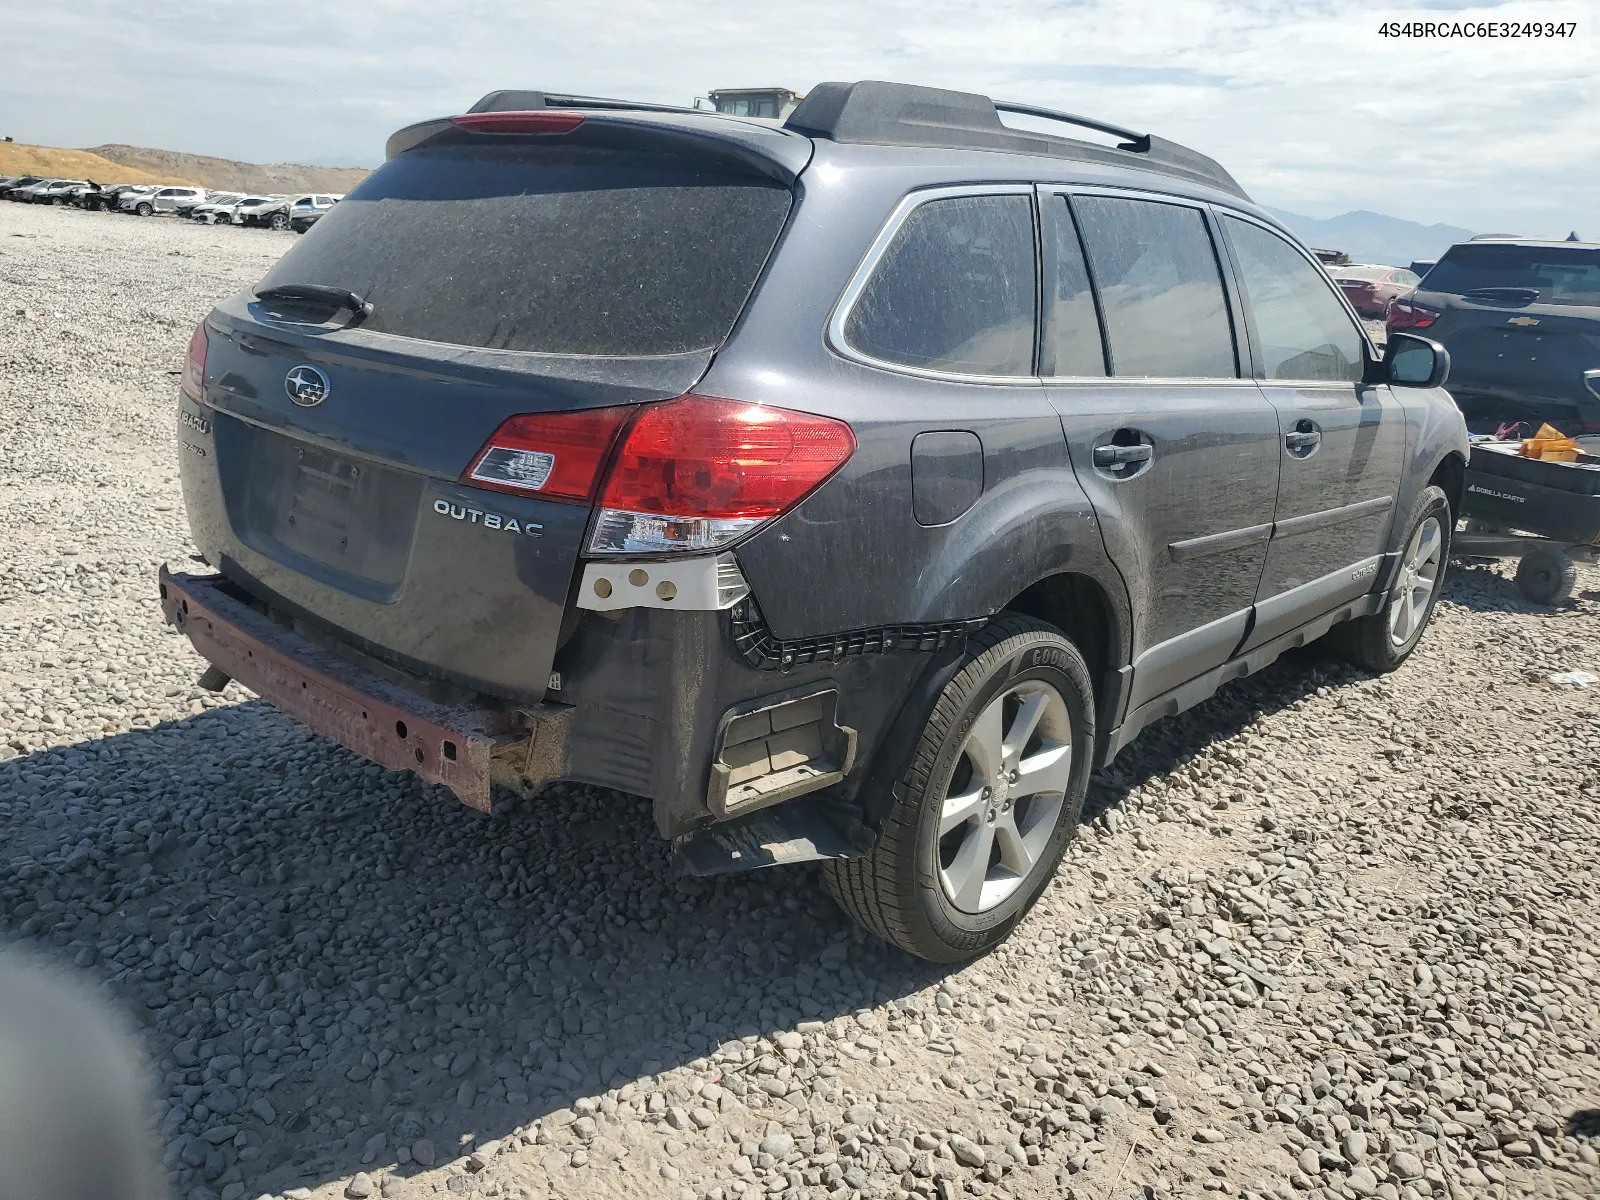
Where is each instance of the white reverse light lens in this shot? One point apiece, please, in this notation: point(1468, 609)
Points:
point(619, 532)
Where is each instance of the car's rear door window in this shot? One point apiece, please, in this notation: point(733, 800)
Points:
point(1160, 287)
point(1560, 274)
point(1302, 330)
point(954, 291)
point(551, 250)
point(1071, 343)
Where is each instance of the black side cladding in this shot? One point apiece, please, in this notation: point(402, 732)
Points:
point(898, 114)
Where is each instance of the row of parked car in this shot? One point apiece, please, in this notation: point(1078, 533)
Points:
point(200, 204)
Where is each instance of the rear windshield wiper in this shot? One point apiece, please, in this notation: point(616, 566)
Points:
point(319, 293)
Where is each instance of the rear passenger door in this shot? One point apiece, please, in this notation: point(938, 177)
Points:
point(1342, 441)
point(1174, 444)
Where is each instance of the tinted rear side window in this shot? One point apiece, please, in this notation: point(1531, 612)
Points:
point(954, 291)
point(1160, 288)
point(560, 251)
point(1560, 274)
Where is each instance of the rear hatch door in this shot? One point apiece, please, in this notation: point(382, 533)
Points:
point(1522, 323)
point(506, 276)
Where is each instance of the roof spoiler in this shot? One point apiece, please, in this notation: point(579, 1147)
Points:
point(899, 114)
point(630, 125)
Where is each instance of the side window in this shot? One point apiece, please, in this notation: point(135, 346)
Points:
point(1160, 288)
point(1072, 343)
point(1303, 330)
point(954, 291)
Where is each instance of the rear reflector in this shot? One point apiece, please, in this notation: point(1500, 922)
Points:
point(695, 473)
point(532, 121)
point(193, 383)
point(555, 455)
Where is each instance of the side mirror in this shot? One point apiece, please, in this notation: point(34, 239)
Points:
point(1412, 361)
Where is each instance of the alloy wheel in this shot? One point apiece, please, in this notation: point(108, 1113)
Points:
point(1005, 796)
point(1419, 576)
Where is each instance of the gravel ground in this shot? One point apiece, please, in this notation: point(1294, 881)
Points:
point(1327, 935)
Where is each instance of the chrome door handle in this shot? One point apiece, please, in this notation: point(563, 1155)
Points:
point(1302, 439)
point(1116, 456)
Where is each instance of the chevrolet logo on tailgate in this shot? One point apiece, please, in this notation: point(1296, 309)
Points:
point(1523, 321)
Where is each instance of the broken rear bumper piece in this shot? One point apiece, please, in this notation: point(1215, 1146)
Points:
point(465, 748)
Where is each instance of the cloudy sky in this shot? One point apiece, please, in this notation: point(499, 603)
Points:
point(1307, 106)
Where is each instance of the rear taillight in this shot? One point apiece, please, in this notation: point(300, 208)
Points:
point(194, 368)
point(532, 121)
point(695, 473)
point(690, 474)
point(559, 456)
point(1408, 314)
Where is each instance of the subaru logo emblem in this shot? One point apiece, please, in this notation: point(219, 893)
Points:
point(307, 386)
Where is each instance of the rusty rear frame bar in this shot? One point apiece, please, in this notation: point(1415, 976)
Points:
point(464, 748)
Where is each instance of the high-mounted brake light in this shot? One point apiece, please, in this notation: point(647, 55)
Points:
point(193, 382)
point(693, 474)
point(1408, 314)
point(530, 121)
point(559, 456)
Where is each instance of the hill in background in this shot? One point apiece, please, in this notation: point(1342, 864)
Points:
point(225, 174)
point(1369, 237)
point(140, 164)
point(18, 159)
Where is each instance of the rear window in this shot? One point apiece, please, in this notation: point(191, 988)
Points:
point(1560, 274)
point(954, 291)
point(557, 251)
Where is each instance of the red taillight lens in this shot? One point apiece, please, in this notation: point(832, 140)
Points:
point(699, 456)
point(559, 456)
point(688, 475)
point(533, 121)
point(695, 473)
point(194, 368)
point(1408, 314)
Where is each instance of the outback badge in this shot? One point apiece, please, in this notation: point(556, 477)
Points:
point(489, 520)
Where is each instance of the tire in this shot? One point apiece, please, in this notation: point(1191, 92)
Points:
point(920, 888)
point(1547, 576)
point(1384, 640)
point(144, 210)
point(278, 221)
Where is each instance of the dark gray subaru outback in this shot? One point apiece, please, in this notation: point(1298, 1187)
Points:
point(849, 488)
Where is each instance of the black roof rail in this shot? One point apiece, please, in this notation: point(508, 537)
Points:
point(529, 101)
point(900, 114)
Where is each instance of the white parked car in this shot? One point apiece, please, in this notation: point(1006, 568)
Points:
point(209, 212)
point(167, 199)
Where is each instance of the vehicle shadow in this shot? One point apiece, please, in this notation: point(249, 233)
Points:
point(1475, 584)
point(330, 962)
point(1166, 745)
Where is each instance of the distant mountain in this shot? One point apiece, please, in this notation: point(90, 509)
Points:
point(1369, 237)
point(224, 173)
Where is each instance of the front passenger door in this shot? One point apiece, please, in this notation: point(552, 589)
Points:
point(1343, 441)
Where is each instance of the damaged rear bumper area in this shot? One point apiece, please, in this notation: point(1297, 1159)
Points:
point(462, 747)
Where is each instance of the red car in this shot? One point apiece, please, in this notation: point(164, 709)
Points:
point(1370, 289)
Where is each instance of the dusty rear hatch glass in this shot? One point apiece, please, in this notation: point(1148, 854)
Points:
point(504, 278)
